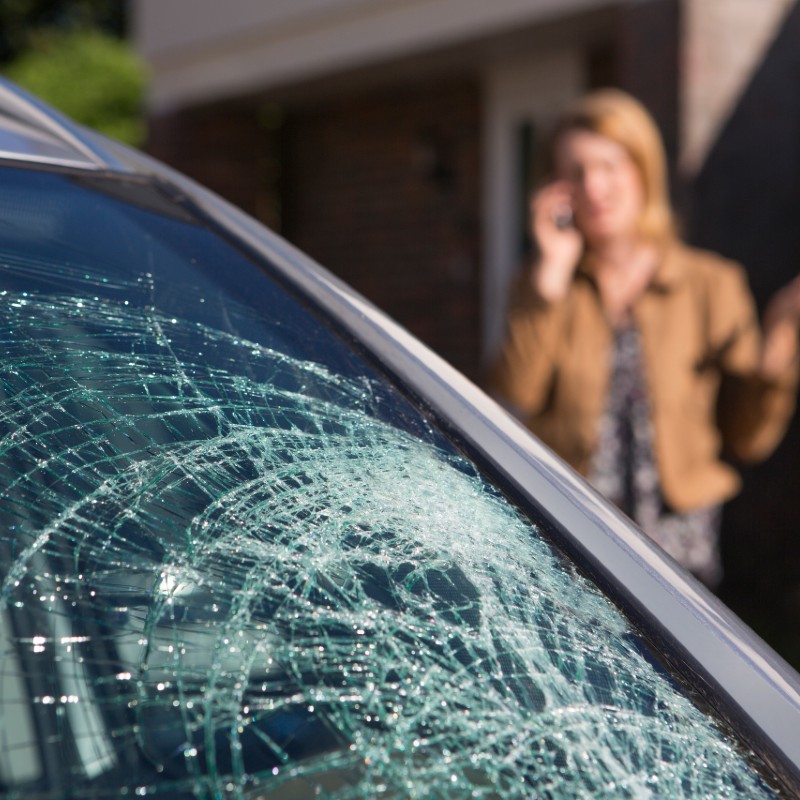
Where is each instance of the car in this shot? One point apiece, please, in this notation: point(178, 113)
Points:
point(257, 541)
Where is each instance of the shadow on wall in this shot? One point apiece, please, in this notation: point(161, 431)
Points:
point(745, 204)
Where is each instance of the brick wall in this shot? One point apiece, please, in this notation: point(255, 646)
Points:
point(383, 190)
point(231, 149)
point(724, 42)
point(648, 56)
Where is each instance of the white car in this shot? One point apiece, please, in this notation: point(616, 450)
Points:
point(258, 542)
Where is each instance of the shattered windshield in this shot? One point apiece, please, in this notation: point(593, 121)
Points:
point(237, 562)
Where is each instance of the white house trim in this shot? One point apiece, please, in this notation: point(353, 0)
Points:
point(208, 49)
point(531, 89)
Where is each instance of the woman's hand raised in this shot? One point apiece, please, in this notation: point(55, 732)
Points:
point(559, 244)
point(781, 325)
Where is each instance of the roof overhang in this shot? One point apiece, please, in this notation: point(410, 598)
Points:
point(242, 47)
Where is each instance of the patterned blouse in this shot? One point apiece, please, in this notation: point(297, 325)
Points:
point(624, 469)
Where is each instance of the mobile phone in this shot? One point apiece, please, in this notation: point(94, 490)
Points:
point(562, 218)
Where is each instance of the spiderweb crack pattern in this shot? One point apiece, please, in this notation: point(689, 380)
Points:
point(272, 592)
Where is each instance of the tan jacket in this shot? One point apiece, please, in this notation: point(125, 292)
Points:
point(701, 341)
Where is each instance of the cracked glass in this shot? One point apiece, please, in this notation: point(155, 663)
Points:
point(238, 562)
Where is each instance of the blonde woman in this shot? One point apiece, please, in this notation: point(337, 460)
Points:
point(636, 358)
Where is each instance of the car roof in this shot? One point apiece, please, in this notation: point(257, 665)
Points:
point(34, 132)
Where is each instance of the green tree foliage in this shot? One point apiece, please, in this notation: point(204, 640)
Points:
point(91, 76)
point(22, 19)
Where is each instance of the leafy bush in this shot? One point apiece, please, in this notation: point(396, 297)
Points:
point(94, 78)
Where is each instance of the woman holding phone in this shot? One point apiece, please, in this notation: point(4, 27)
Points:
point(640, 360)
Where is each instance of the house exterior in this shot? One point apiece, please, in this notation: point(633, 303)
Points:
point(392, 140)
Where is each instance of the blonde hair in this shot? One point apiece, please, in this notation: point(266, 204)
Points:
point(616, 115)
